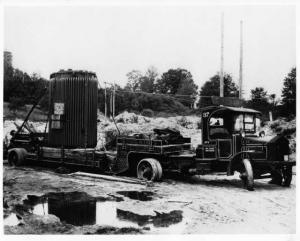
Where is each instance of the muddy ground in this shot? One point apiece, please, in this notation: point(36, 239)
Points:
point(209, 204)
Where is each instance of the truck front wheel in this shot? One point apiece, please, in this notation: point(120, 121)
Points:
point(149, 169)
point(247, 175)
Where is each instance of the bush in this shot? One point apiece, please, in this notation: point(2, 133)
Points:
point(138, 102)
point(16, 103)
point(147, 113)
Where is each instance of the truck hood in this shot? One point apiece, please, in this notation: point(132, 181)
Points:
point(276, 146)
point(278, 140)
point(264, 139)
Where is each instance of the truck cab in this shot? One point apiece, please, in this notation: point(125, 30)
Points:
point(222, 126)
point(232, 140)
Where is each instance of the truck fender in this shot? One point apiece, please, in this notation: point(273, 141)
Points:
point(139, 156)
point(237, 158)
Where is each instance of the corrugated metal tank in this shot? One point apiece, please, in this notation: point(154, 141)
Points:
point(73, 109)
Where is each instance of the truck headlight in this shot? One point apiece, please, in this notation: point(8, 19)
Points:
point(286, 157)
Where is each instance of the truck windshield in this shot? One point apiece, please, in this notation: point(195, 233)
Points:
point(245, 122)
point(216, 121)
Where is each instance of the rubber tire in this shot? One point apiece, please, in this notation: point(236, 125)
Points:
point(248, 180)
point(287, 175)
point(155, 168)
point(276, 177)
point(159, 171)
point(16, 156)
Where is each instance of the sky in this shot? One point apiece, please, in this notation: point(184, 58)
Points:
point(113, 40)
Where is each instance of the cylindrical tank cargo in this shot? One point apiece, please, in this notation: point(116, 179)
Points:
point(73, 109)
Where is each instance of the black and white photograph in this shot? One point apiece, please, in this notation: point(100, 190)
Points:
point(149, 118)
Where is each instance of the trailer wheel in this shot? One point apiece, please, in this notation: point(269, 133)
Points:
point(16, 156)
point(159, 171)
point(149, 169)
point(287, 175)
point(247, 175)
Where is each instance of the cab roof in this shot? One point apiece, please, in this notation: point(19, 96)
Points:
point(233, 109)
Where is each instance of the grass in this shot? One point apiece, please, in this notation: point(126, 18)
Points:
point(36, 115)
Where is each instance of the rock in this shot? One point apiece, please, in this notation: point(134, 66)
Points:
point(47, 219)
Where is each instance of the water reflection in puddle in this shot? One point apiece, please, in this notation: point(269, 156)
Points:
point(82, 209)
point(136, 195)
point(104, 213)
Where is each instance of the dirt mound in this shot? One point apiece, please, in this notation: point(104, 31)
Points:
point(129, 118)
point(129, 123)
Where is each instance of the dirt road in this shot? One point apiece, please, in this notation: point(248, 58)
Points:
point(210, 204)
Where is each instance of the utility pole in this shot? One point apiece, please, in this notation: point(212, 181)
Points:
point(222, 58)
point(241, 62)
point(111, 104)
point(105, 107)
point(114, 100)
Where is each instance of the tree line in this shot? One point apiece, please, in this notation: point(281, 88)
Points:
point(21, 88)
point(172, 92)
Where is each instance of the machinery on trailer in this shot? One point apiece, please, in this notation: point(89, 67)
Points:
point(231, 140)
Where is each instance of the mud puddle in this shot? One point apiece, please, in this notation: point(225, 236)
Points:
point(136, 195)
point(79, 208)
point(158, 220)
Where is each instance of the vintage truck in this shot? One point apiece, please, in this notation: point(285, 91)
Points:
point(231, 142)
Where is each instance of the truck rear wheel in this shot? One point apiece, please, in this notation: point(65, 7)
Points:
point(276, 177)
point(149, 169)
point(282, 176)
point(16, 156)
point(247, 175)
point(287, 175)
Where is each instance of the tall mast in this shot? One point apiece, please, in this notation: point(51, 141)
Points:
point(222, 58)
point(241, 62)
point(105, 108)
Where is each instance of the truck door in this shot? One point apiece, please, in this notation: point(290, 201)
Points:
point(220, 134)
